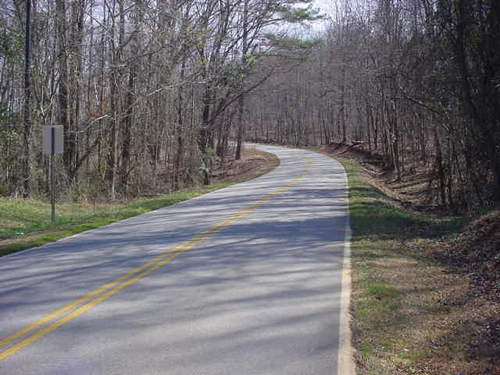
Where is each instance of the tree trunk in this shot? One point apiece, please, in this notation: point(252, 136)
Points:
point(27, 105)
point(63, 99)
point(440, 168)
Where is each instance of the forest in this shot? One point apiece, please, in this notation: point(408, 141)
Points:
point(414, 83)
point(152, 93)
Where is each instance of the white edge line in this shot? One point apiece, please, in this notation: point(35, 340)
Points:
point(345, 360)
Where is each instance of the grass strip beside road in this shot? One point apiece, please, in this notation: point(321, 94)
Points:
point(29, 222)
point(26, 223)
point(410, 313)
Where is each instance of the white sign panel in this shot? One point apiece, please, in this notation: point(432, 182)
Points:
point(53, 139)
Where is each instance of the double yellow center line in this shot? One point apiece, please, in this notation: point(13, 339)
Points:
point(57, 318)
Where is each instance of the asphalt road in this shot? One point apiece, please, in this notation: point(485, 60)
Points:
point(257, 292)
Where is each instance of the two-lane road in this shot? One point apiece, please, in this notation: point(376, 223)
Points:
point(244, 280)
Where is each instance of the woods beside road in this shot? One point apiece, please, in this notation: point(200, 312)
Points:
point(150, 93)
point(156, 99)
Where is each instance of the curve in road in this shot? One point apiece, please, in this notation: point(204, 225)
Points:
point(257, 289)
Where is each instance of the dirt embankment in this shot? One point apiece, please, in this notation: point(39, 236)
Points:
point(414, 187)
point(253, 163)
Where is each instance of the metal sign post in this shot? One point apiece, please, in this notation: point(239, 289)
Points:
point(52, 145)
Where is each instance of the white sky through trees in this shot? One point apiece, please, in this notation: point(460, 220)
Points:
point(324, 5)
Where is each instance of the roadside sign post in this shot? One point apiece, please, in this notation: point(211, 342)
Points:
point(52, 145)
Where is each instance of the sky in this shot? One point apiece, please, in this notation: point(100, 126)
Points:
point(324, 5)
point(326, 8)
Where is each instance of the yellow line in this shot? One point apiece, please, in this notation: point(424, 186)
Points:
point(127, 279)
point(75, 303)
point(101, 289)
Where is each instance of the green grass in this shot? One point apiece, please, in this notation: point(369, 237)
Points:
point(30, 219)
point(373, 215)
